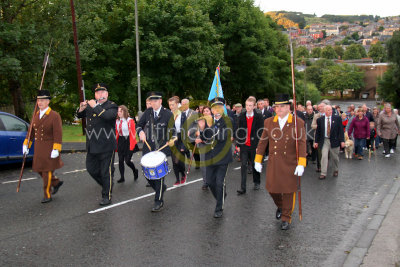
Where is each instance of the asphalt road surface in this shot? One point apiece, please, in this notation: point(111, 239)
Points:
point(73, 230)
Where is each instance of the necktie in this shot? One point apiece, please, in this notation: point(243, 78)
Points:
point(155, 115)
point(183, 118)
point(120, 128)
point(328, 128)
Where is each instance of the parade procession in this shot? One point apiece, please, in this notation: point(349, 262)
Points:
point(195, 133)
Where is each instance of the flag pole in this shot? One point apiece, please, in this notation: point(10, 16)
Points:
point(295, 127)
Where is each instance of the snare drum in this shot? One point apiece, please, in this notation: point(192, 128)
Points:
point(154, 165)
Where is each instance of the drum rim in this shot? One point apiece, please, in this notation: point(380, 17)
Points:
point(154, 166)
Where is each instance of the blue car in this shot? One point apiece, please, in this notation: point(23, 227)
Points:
point(13, 131)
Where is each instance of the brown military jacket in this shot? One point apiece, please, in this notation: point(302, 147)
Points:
point(282, 159)
point(47, 133)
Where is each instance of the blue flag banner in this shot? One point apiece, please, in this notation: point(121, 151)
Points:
point(216, 88)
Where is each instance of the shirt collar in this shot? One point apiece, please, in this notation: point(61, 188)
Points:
point(284, 118)
point(158, 110)
point(44, 111)
point(250, 115)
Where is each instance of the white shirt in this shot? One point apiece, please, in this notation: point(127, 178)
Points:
point(42, 112)
point(178, 123)
point(125, 127)
point(326, 125)
point(250, 115)
point(157, 112)
point(283, 121)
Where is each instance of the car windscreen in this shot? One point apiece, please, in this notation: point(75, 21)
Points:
point(12, 124)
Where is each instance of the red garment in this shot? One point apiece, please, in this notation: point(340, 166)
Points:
point(344, 123)
point(132, 132)
point(249, 123)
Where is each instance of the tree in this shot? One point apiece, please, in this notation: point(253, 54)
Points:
point(377, 52)
point(355, 36)
point(339, 51)
point(255, 51)
point(389, 85)
point(301, 52)
point(354, 51)
point(314, 72)
point(341, 77)
point(316, 52)
point(328, 52)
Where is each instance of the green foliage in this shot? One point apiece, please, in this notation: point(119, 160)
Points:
point(339, 51)
point(341, 77)
point(377, 52)
point(307, 91)
point(389, 85)
point(301, 52)
point(314, 72)
point(354, 51)
point(355, 36)
point(316, 52)
point(350, 19)
point(328, 52)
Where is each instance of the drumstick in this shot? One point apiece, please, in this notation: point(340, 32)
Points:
point(191, 159)
point(164, 146)
point(147, 144)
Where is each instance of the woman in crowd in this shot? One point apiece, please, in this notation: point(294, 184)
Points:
point(207, 116)
point(177, 155)
point(360, 126)
point(388, 128)
point(126, 142)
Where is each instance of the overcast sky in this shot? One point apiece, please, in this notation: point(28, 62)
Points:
point(382, 8)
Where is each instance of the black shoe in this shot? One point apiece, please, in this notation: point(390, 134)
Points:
point(218, 214)
point(241, 192)
point(278, 214)
point(148, 184)
point(204, 187)
point(55, 189)
point(121, 180)
point(249, 171)
point(46, 200)
point(157, 207)
point(135, 174)
point(105, 201)
point(197, 167)
point(285, 226)
point(256, 187)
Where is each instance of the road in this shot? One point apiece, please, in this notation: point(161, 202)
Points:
point(72, 231)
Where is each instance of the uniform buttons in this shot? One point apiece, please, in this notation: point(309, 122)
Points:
point(275, 153)
point(276, 141)
point(275, 147)
point(284, 153)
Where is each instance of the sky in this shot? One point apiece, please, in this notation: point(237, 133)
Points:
point(382, 8)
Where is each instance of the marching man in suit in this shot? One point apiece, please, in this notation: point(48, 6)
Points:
point(153, 128)
point(329, 136)
point(100, 139)
point(283, 167)
point(47, 133)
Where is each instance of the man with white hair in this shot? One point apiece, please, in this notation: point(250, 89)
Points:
point(329, 136)
point(321, 112)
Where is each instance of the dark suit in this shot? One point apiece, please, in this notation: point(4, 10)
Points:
point(218, 156)
point(266, 114)
point(248, 153)
point(158, 131)
point(329, 146)
point(101, 143)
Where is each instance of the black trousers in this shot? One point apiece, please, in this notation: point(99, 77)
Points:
point(216, 181)
point(178, 159)
point(127, 159)
point(99, 166)
point(248, 154)
point(388, 144)
point(314, 151)
point(159, 187)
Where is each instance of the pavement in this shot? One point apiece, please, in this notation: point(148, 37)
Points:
point(374, 244)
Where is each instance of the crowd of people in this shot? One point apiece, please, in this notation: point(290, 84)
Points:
point(206, 136)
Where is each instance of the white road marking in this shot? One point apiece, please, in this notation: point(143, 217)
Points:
point(141, 197)
point(237, 168)
point(74, 171)
point(16, 181)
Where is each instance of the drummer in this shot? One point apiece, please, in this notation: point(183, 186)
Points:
point(153, 130)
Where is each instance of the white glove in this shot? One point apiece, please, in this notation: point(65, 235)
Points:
point(54, 154)
point(25, 149)
point(299, 170)
point(258, 166)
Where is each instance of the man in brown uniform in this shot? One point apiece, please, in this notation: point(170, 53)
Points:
point(47, 133)
point(283, 167)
